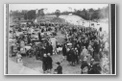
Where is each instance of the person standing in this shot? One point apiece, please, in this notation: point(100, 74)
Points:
point(49, 63)
point(19, 57)
point(64, 50)
point(72, 52)
point(76, 55)
point(50, 49)
point(44, 63)
point(40, 38)
point(54, 43)
point(69, 55)
point(82, 54)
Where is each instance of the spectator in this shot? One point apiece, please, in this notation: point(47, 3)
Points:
point(59, 68)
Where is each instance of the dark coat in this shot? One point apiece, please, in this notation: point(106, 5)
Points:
point(49, 49)
point(44, 64)
point(73, 56)
point(69, 55)
point(49, 62)
point(95, 69)
point(64, 51)
point(59, 69)
point(84, 64)
point(29, 40)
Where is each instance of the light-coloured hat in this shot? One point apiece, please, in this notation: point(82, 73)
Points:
point(92, 59)
point(45, 55)
point(48, 54)
point(69, 43)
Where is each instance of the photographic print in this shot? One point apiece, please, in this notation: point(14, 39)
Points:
point(59, 39)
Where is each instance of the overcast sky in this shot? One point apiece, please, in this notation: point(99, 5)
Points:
point(53, 7)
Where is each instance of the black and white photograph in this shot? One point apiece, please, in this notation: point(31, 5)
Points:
point(59, 39)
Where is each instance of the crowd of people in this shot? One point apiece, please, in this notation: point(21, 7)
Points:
point(84, 46)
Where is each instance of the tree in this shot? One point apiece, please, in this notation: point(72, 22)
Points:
point(57, 12)
point(25, 16)
point(83, 14)
point(91, 12)
point(96, 14)
point(30, 15)
point(41, 12)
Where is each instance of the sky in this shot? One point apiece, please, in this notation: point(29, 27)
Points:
point(52, 7)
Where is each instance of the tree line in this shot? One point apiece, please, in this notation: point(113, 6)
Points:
point(87, 14)
point(92, 14)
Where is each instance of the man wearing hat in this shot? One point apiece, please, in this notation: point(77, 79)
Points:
point(59, 68)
